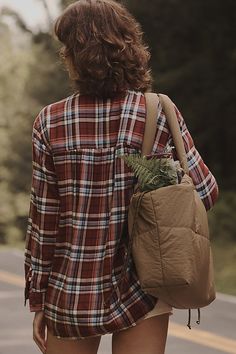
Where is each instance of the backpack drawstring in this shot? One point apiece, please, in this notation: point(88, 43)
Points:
point(198, 318)
point(189, 318)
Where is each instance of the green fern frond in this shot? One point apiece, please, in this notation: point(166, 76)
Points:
point(152, 173)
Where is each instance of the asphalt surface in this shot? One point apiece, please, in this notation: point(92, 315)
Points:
point(215, 334)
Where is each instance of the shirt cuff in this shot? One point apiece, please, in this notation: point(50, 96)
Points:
point(36, 300)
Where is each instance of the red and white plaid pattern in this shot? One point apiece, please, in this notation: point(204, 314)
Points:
point(79, 202)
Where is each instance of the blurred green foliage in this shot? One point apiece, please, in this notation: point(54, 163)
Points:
point(222, 217)
point(194, 61)
point(224, 257)
point(193, 50)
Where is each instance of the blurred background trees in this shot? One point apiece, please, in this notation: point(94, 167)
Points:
point(194, 61)
point(193, 50)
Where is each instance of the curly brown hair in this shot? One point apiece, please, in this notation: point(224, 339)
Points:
point(103, 48)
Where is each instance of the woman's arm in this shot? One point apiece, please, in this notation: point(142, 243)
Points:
point(202, 177)
point(43, 218)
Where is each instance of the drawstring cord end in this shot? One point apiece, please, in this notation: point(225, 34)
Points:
point(189, 318)
point(198, 318)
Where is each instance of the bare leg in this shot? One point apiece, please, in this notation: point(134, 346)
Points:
point(148, 336)
point(56, 345)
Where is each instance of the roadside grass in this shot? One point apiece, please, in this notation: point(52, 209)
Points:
point(224, 256)
point(20, 245)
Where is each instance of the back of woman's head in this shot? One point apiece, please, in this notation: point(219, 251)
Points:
point(103, 48)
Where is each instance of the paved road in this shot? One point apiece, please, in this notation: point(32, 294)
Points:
point(216, 333)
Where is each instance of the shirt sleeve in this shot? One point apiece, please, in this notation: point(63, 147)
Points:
point(203, 179)
point(42, 227)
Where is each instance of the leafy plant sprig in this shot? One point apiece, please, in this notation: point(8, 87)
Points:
point(153, 171)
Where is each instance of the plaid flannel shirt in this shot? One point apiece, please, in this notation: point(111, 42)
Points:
point(80, 193)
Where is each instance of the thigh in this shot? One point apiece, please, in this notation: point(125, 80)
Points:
point(56, 345)
point(148, 336)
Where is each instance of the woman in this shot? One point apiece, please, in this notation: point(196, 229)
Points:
point(77, 231)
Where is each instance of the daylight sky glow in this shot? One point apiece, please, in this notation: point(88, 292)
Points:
point(32, 11)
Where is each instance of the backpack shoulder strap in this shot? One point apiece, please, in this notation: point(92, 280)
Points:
point(172, 120)
point(152, 100)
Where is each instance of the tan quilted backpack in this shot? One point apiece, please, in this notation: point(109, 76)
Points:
point(168, 229)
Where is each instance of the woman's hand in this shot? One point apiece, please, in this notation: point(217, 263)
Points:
point(39, 326)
